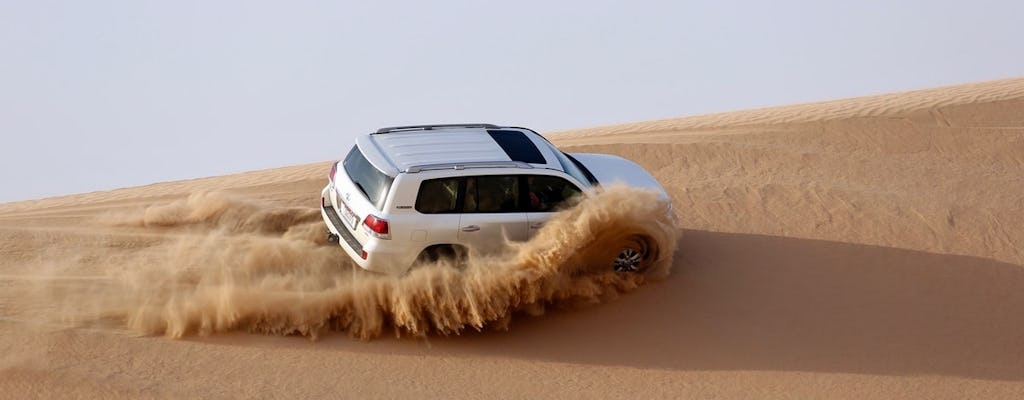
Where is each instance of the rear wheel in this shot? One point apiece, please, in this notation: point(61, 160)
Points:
point(442, 253)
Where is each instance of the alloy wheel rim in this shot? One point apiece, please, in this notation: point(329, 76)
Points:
point(628, 260)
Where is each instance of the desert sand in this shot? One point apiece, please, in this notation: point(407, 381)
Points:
point(861, 248)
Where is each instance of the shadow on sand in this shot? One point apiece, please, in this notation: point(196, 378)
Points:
point(750, 302)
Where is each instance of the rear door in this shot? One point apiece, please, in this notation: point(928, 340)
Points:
point(493, 211)
point(439, 209)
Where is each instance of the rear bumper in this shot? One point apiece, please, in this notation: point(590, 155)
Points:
point(334, 224)
point(370, 255)
point(348, 241)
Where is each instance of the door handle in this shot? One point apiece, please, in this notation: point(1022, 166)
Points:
point(536, 225)
point(471, 228)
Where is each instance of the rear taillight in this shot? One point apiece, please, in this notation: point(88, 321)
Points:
point(377, 226)
point(334, 168)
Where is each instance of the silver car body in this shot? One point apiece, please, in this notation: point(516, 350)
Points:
point(404, 158)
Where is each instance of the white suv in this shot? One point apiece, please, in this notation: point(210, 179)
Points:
point(411, 192)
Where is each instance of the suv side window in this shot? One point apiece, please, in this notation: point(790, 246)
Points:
point(492, 194)
point(549, 193)
point(439, 196)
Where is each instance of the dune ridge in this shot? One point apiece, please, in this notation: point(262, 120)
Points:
point(923, 106)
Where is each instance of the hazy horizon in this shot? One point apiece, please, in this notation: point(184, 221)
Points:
point(108, 94)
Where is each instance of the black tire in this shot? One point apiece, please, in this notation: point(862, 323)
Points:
point(442, 252)
point(636, 254)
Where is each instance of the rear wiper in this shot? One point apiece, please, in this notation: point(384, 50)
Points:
point(360, 187)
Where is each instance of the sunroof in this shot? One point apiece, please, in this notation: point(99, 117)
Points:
point(517, 146)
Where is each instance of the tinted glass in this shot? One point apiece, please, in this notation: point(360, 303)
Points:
point(492, 194)
point(517, 146)
point(572, 167)
point(549, 193)
point(371, 181)
point(438, 196)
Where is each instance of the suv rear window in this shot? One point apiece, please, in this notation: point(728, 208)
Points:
point(371, 181)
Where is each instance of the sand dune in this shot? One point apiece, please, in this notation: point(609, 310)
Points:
point(860, 248)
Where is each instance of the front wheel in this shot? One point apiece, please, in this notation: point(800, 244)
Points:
point(634, 255)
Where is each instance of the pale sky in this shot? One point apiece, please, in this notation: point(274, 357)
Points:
point(97, 94)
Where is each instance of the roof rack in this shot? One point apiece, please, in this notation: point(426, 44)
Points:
point(464, 165)
point(432, 127)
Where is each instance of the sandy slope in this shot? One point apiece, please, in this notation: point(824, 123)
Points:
point(862, 248)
